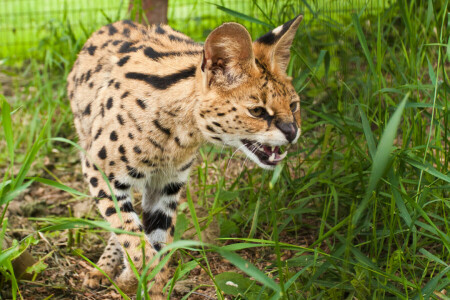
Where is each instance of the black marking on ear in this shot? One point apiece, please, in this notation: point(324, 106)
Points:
point(91, 49)
point(87, 110)
point(121, 186)
point(160, 127)
point(99, 132)
point(271, 38)
point(123, 60)
point(135, 173)
point(156, 220)
point(162, 82)
point(141, 103)
point(111, 29)
point(172, 188)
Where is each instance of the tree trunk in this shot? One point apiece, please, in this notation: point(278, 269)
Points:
point(155, 11)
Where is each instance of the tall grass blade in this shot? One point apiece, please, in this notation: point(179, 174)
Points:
point(381, 158)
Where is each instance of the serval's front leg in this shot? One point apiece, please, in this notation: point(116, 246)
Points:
point(160, 202)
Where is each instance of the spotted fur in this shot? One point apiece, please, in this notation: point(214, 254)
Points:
point(145, 99)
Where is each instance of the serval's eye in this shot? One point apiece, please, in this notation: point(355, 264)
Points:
point(257, 111)
point(294, 106)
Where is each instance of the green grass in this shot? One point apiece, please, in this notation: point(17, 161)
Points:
point(363, 203)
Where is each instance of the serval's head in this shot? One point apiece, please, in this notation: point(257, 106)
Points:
point(248, 101)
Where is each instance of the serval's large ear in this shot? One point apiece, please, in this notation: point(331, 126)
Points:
point(227, 56)
point(274, 47)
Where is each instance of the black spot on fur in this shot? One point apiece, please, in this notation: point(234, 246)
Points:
point(120, 119)
point(220, 114)
point(124, 95)
point(155, 55)
point(102, 153)
point(135, 173)
point(217, 124)
point(179, 39)
point(123, 60)
point(172, 205)
point(124, 159)
point(129, 23)
point(159, 29)
point(94, 181)
point(121, 186)
point(117, 42)
point(210, 129)
point(99, 132)
point(111, 29)
point(87, 110)
point(157, 246)
point(216, 138)
point(162, 82)
point(126, 244)
point(270, 38)
point(156, 220)
point(102, 194)
point(127, 47)
point(91, 49)
point(113, 136)
point(172, 188)
point(160, 127)
point(186, 166)
point(110, 211)
point(126, 32)
point(137, 149)
point(127, 207)
point(172, 230)
point(109, 103)
point(141, 103)
point(117, 85)
point(122, 149)
point(130, 135)
point(154, 143)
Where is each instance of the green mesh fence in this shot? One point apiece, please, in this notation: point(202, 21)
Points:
point(24, 23)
